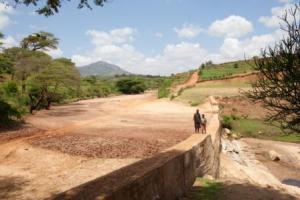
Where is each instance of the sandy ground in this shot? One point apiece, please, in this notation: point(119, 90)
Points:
point(72, 144)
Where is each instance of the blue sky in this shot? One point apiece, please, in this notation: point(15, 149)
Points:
point(153, 37)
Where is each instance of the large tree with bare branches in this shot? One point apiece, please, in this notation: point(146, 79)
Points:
point(278, 84)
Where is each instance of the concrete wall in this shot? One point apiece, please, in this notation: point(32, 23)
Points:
point(166, 176)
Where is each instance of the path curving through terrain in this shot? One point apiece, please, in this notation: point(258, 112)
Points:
point(189, 83)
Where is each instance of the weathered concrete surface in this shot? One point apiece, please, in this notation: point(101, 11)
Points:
point(168, 175)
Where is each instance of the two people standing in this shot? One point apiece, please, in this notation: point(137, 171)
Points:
point(199, 121)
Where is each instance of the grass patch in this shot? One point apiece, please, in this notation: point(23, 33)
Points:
point(164, 90)
point(198, 93)
point(288, 138)
point(219, 71)
point(195, 104)
point(258, 128)
point(206, 189)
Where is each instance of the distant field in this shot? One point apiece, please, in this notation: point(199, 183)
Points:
point(231, 87)
point(218, 71)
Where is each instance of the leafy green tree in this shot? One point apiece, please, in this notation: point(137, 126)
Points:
point(131, 86)
point(47, 85)
point(40, 41)
point(7, 112)
point(50, 7)
point(6, 65)
point(26, 62)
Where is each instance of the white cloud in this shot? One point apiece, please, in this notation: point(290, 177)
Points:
point(9, 42)
point(274, 20)
point(175, 57)
point(158, 34)
point(115, 36)
point(5, 10)
point(232, 26)
point(54, 53)
point(188, 31)
point(233, 48)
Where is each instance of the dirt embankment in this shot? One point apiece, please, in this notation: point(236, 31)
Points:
point(189, 83)
point(245, 77)
point(246, 165)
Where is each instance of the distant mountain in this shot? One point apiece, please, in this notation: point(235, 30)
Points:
point(101, 68)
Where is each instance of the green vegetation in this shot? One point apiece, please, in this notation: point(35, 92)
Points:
point(201, 91)
point(258, 128)
point(219, 71)
point(207, 189)
point(131, 86)
point(194, 103)
point(164, 90)
point(51, 7)
point(279, 84)
point(32, 80)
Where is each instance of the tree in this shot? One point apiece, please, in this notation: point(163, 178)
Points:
point(131, 86)
point(26, 62)
point(6, 65)
point(40, 41)
point(51, 7)
point(278, 84)
point(47, 86)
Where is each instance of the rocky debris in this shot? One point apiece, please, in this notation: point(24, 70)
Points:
point(228, 134)
point(226, 131)
point(235, 136)
point(274, 156)
point(233, 149)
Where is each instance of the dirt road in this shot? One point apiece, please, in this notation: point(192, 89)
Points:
point(72, 144)
point(189, 83)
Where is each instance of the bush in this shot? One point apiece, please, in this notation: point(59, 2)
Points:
point(130, 86)
point(163, 92)
point(10, 88)
point(226, 122)
point(194, 104)
point(164, 89)
point(8, 112)
point(234, 117)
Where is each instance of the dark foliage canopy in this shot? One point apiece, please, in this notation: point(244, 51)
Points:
point(130, 86)
point(50, 7)
point(39, 41)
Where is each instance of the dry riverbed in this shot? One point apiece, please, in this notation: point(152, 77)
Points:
point(75, 143)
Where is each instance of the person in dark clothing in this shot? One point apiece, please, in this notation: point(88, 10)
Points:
point(197, 121)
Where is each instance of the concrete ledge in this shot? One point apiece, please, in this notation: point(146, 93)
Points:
point(168, 175)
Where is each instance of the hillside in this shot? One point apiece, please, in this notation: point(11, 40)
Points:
point(219, 71)
point(101, 68)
